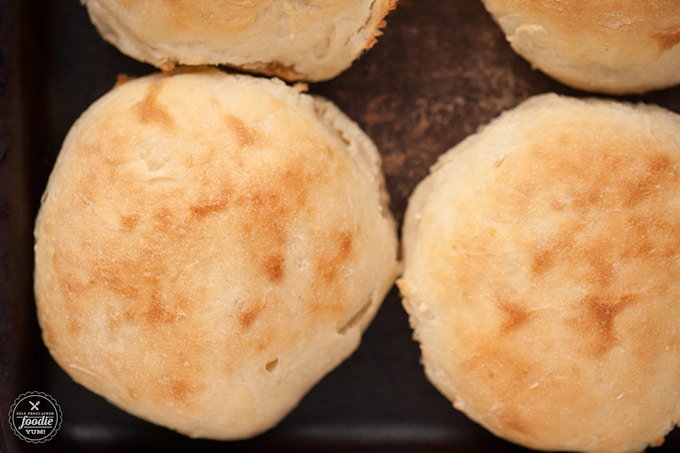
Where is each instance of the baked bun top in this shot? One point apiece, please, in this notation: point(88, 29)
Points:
point(208, 247)
point(542, 274)
point(608, 46)
point(294, 40)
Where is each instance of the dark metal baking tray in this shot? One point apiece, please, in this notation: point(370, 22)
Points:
point(441, 69)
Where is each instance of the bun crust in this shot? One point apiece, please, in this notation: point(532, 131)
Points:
point(609, 46)
point(208, 247)
point(294, 40)
point(541, 274)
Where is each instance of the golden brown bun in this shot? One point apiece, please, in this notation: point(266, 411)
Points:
point(208, 247)
point(542, 274)
point(608, 46)
point(294, 40)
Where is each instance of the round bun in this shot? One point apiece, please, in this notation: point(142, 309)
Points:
point(208, 247)
point(610, 46)
point(294, 40)
point(542, 274)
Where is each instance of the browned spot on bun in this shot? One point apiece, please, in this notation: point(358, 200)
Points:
point(129, 222)
point(164, 218)
point(668, 38)
point(149, 111)
point(159, 312)
point(547, 255)
point(601, 312)
point(329, 266)
point(516, 313)
point(266, 210)
point(133, 391)
point(249, 313)
point(70, 283)
point(655, 169)
point(213, 204)
point(511, 420)
point(178, 389)
point(122, 78)
point(114, 276)
point(245, 135)
point(273, 265)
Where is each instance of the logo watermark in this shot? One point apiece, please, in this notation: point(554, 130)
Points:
point(35, 417)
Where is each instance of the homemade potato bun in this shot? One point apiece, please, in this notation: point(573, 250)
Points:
point(542, 274)
point(208, 247)
point(608, 46)
point(294, 40)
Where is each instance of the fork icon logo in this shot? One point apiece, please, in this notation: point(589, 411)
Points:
point(35, 417)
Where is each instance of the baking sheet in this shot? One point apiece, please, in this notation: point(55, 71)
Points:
point(441, 69)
